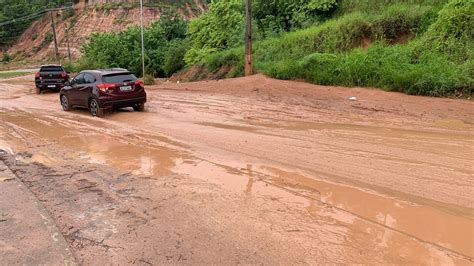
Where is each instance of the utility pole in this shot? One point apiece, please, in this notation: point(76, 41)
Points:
point(54, 35)
point(143, 42)
point(67, 42)
point(248, 38)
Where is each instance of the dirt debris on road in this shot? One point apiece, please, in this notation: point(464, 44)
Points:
point(251, 170)
point(29, 236)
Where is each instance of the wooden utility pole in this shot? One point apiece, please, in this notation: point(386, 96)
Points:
point(248, 38)
point(54, 36)
point(67, 42)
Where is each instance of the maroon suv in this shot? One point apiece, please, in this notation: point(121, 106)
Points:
point(103, 89)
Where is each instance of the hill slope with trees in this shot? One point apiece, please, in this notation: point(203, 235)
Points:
point(422, 47)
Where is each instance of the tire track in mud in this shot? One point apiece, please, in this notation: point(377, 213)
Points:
point(262, 177)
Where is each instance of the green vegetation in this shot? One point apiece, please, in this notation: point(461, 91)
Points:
point(12, 74)
point(68, 13)
point(275, 16)
point(13, 9)
point(220, 28)
point(420, 47)
point(6, 58)
point(164, 42)
point(149, 80)
point(165, 4)
point(424, 48)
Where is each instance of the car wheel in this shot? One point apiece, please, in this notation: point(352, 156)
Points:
point(139, 107)
point(95, 109)
point(65, 103)
point(38, 90)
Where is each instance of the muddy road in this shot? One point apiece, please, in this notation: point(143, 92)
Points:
point(250, 170)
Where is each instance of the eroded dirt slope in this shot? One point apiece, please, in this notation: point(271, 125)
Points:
point(251, 170)
point(88, 19)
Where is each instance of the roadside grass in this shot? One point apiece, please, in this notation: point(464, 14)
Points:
point(12, 74)
point(436, 59)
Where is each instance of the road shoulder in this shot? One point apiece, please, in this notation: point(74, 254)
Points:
point(28, 235)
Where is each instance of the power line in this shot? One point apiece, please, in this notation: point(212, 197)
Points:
point(34, 15)
point(22, 20)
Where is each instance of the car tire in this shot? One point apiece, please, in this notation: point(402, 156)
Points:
point(65, 103)
point(140, 107)
point(38, 90)
point(95, 109)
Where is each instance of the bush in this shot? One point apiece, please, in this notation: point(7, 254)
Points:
point(227, 58)
point(68, 13)
point(273, 17)
point(452, 33)
point(6, 58)
point(387, 67)
point(163, 40)
point(174, 57)
point(220, 28)
point(149, 80)
point(48, 38)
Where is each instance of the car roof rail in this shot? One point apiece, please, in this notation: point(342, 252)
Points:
point(112, 69)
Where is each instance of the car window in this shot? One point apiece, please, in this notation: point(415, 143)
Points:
point(119, 78)
point(88, 78)
point(51, 69)
point(79, 79)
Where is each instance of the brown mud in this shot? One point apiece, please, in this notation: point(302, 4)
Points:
point(251, 170)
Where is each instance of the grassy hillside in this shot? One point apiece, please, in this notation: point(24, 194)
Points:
point(417, 47)
point(422, 47)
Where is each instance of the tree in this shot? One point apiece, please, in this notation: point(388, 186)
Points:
point(220, 28)
point(12, 9)
point(276, 16)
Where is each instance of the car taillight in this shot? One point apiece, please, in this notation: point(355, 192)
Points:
point(140, 83)
point(105, 86)
point(37, 75)
point(63, 74)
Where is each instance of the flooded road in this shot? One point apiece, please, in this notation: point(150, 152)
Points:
point(251, 170)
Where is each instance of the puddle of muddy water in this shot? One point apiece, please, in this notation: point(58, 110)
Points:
point(377, 219)
point(127, 152)
point(424, 222)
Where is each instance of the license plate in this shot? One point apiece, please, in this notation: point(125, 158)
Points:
point(126, 88)
point(51, 86)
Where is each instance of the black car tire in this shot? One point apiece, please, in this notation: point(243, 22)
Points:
point(139, 107)
point(65, 103)
point(95, 109)
point(38, 90)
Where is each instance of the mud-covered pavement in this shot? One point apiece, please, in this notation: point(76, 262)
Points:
point(249, 170)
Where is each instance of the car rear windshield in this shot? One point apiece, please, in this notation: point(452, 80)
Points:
point(119, 78)
point(51, 69)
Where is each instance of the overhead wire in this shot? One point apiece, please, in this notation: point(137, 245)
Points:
point(34, 15)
